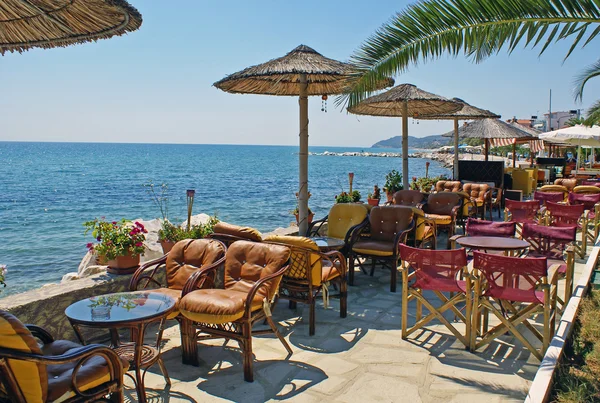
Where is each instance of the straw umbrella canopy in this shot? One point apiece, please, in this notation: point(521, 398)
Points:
point(405, 100)
point(301, 72)
point(25, 24)
point(467, 112)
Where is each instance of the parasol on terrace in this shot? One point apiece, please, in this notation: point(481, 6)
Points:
point(405, 100)
point(25, 24)
point(301, 72)
point(467, 112)
point(578, 135)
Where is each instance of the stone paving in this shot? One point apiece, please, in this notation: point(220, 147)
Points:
point(361, 358)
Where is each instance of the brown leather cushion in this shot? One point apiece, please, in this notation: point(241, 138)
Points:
point(330, 271)
point(176, 295)
point(248, 233)
point(376, 248)
point(476, 190)
point(568, 183)
point(217, 306)
point(408, 198)
point(188, 256)
point(247, 262)
point(387, 221)
point(442, 203)
point(93, 373)
point(448, 186)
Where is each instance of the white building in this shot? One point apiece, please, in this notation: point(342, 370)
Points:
point(558, 119)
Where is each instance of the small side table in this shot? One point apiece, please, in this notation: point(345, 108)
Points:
point(327, 244)
point(132, 310)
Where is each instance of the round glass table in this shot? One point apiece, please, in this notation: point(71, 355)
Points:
point(132, 310)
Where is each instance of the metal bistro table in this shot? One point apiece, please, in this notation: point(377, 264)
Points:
point(131, 310)
point(493, 243)
point(327, 244)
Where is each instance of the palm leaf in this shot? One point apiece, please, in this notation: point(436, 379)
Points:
point(593, 115)
point(477, 28)
point(587, 74)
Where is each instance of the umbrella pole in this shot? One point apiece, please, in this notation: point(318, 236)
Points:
point(487, 148)
point(514, 155)
point(303, 158)
point(405, 144)
point(455, 149)
point(578, 159)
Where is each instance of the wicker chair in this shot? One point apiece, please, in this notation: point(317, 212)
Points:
point(568, 183)
point(480, 195)
point(496, 201)
point(379, 239)
point(253, 272)
point(57, 370)
point(410, 198)
point(342, 220)
point(310, 274)
point(443, 209)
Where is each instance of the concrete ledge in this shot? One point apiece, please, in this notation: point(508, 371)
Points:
point(539, 392)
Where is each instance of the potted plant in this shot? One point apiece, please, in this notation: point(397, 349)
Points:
point(120, 243)
point(355, 195)
point(343, 198)
point(373, 198)
point(393, 183)
point(3, 271)
point(296, 211)
point(170, 233)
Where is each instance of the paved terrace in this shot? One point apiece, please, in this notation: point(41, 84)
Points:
point(361, 358)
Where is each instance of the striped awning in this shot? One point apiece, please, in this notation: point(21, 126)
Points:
point(534, 145)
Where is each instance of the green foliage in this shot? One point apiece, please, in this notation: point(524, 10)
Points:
point(473, 142)
point(175, 233)
point(355, 196)
point(593, 115)
point(376, 193)
point(586, 75)
point(343, 198)
point(393, 181)
point(3, 271)
point(116, 238)
point(425, 184)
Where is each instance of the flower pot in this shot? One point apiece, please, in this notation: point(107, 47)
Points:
point(373, 202)
point(167, 245)
point(310, 218)
point(390, 196)
point(124, 264)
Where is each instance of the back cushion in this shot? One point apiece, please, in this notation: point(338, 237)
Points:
point(301, 259)
point(568, 183)
point(248, 233)
point(476, 190)
point(32, 378)
point(188, 256)
point(442, 203)
point(408, 198)
point(387, 221)
point(247, 262)
point(448, 186)
point(344, 216)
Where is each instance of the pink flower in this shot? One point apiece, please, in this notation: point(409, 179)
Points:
point(114, 222)
point(133, 232)
point(138, 244)
point(90, 246)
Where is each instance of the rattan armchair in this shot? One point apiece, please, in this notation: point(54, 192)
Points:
point(55, 370)
point(342, 220)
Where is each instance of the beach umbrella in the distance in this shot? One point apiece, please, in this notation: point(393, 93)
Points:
point(49, 24)
point(301, 72)
point(467, 112)
point(405, 100)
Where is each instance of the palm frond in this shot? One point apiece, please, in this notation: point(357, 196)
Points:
point(477, 28)
point(593, 115)
point(587, 74)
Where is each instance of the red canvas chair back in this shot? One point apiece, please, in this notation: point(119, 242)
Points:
point(562, 215)
point(512, 278)
point(523, 211)
point(549, 241)
point(435, 269)
point(477, 227)
point(588, 200)
point(590, 183)
point(554, 197)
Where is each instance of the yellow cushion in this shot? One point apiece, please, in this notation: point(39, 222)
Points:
point(31, 378)
point(439, 219)
point(344, 216)
point(298, 267)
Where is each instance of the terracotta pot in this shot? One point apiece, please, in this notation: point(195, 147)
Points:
point(124, 264)
point(373, 202)
point(390, 196)
point(166, 245)
point(310, 218)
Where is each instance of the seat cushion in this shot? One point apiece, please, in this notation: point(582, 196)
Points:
point(216, 306)
point(93, 373)
point(330, 271)
point(439, 219)
point(375, 248)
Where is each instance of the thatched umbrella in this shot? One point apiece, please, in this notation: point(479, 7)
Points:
point(467, 112)
point(405, 100)
point(25, 24)
point(487, 129)
point(302, 72)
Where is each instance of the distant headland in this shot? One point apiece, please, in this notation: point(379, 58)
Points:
point(429, 142)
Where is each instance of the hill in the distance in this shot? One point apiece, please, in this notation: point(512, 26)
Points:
point(435, 141)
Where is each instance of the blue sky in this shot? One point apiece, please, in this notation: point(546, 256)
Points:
point(155, 85)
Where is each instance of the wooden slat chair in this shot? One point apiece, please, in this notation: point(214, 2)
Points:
point(439, 271)
point(186, 258)
point(253, 272)
point(555, 189)
point(592, 205)
point(561, 215)
point(468, 208)
point(496, 201)
point(513, 289)
point(310, 274)
point(522, 212)
point(558, 245)
point(480, 195)
point(342, 220)
point(379, 240)
point(477, 227)
point(55, 370)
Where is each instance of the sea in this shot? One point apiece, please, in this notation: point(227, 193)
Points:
point(48, 190)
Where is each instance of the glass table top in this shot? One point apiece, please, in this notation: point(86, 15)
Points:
point(328, 243)
point(120, 307)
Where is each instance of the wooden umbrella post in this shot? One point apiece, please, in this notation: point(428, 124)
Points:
point(487, 148)
point(351, 179)
point(303, 157)
point(190, 204)
point(455, 148)
point(514, 155)
point(405, 145)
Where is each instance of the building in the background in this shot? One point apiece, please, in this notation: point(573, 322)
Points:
point(558, 119)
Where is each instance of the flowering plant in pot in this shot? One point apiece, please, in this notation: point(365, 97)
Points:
point(121, 243)
point(393, 183)
point(296, 211)
point(373, 198)
point(3, 271)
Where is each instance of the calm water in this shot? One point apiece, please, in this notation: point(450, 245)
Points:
point(47, 190)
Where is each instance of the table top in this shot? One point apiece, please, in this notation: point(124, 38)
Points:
point(326, 243)
point(118, 308)
point(492, 243)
